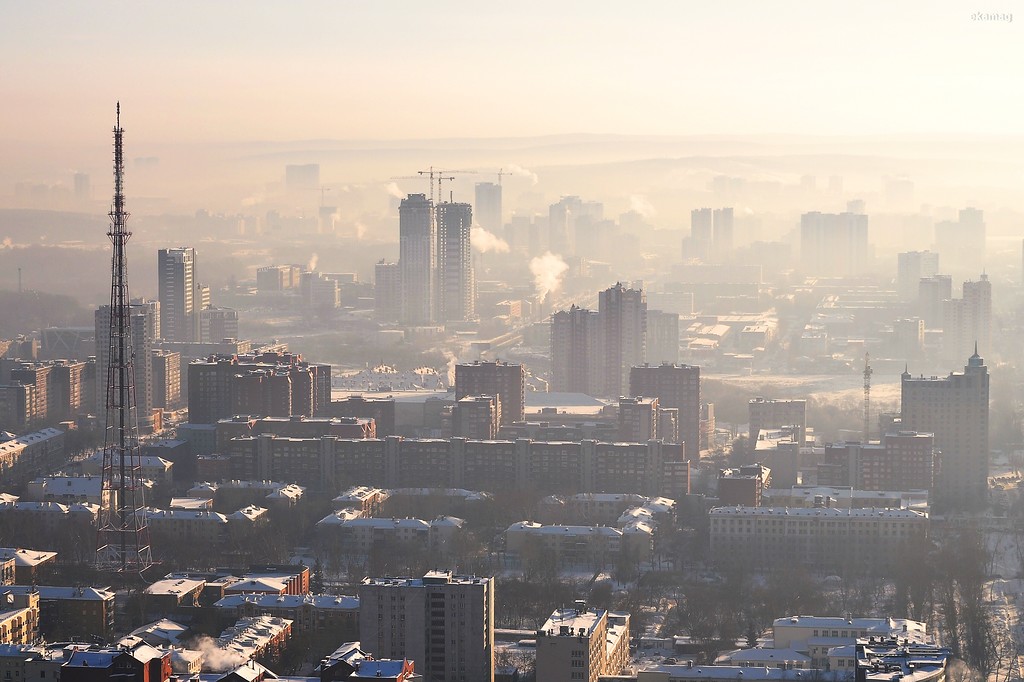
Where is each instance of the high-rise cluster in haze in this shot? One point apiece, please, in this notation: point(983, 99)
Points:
point(408, 429)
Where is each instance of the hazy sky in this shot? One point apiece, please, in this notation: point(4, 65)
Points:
point(267, 69)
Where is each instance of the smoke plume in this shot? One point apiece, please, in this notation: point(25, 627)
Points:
point(548, 271)
point(640, 204)
point(216, 658)
point(311, 266)
point(483, 241)
point(450, 362)
point(393, 190)
point(521, 172)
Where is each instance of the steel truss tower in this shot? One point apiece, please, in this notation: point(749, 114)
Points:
point(122, 537)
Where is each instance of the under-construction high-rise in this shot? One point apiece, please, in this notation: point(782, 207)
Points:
point(122, 537)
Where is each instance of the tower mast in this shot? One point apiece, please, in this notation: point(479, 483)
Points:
point(122, 536)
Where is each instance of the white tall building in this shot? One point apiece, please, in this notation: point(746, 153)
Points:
point(176, 286)
point(488, 206)
point(834, 245)
point(623, 320)
point(456, 286)
point(911, 266)
point(967, 321)
point(417, 259)
point(444, 623)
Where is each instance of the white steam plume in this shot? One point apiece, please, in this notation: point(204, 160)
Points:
point(311, 266)
point(393, 190)
point(7, 243)
point(639, 203)
point(450, 362)
point(521, 172)
point(547, 273)
point(483, 241)
point(216, 658)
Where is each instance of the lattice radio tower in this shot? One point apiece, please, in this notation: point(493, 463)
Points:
point(122, 538)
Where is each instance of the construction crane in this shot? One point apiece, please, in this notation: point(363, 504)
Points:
point(441, 175)
point(419, 177)
point(867, 397)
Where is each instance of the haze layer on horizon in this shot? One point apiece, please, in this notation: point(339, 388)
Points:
point(199, 72)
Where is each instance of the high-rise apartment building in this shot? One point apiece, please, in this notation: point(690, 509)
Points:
point(217, 324)
point(488, 206)
point(900, 461)
point(417, 259)
point(962, 242)
point(675, 386)
point(265, 384)
point(167, 379)
point(503, 379)
point(662, 337)
point(477, 417)
point(444, 623)
point(638, 419)
point(911, 266)
point(834, 245)
point(776, 414)
point(576, 351)
point(931, 293)
point(387, 291)
point(955, 409)
point(176, 286)
point(702, 227)
point(967, 321)
point(456, 286)
point(623, 319)
point(562, 225)
point(722, 243)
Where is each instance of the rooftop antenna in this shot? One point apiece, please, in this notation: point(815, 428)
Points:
point(122, 535)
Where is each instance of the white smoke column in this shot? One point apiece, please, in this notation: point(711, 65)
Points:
point(311, 266)
point(640, 204)
point(360, 230)
point(521, 172)
point(393, 190)
point(7, 243)
point(216, 658)
point(450, 362)
point(484, 242)
point(547, 273)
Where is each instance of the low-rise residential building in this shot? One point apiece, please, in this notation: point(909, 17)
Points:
point(19, 617)
point(338, 614)
point(583, 547)
point(815, 636)
point(820, 538)
point(67, 613)
point(30, 565)
point(582, 644)
point(359, 536)
point(169, 595)
point(349, 662)
point(369, 501)
point(253, 637)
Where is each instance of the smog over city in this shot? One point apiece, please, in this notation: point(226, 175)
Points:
point(663, 341)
